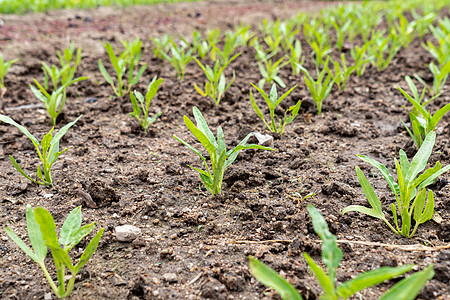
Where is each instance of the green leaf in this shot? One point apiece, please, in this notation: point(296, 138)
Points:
point(331, 254)
point(63, 131)
point(383, 170)
point(47, 225)
point(104, 72)
point(21, 244)
point(324, 280)
point(35, 235)
point(203, 126)
point(409, 288)
point(90, 249)
point(370, 193)
point(270, 278)
point(79, 235)
point(71, 225)
point(419, 161)
point(25, 131)
point(202, 138)
point(189, 146)
point(363, 210)
point(370, 278)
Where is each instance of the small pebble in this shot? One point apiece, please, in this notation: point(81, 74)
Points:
point(170, 277)
point(127, 233)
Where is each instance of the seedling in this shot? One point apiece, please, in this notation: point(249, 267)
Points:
point(269, 72)
point(220, 157)
point(404, 30)
point(179, 59)
point(161, 45)
point(410, 192)
point(47, 149)
point(342, 72)
point(361, 58)
point(244, 34)
point(383, 49)
point(320, 88)
point(229, 47)
point(42, 234)
point(321, 47)
point(440, 76)
point(273, 101)
point(201, 46)
point(341, 31)
point(406, 289)
point(422, 122)
point(295, 56)
point(145, 121)
point(54, 102)
point(65, 59)
point(216, 85)
point(4, 68)
point(126, 62)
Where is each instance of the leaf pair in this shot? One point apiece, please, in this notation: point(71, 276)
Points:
point(320, 88)
point(269, 71)
point(127, 61)
point(413, 201)
point(216, 85)
point(145, 121)
point(42, 234)
point(406, 289)
point(216, 148)
point(47, 150)
point(422, 122)
point(273, 101)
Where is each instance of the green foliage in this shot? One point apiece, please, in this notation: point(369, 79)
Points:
point(145, 121)
point(4, 68)
point(229, 47)
point(361, 58)
point(407, 289)
point(440, 76)
point(441, 33)
point(295, 55)
point(383, 49)
point(216, 85)
point(273, 101)
point(69, 61)
point(413, 200)
point(270, 278)
point(342, 72)
point(422, 122)
point(47, 150)
point(42, 234)
point(21, 7)
point(180, 58)
point(269, 71)
point(161, 45)
point(54, 102)
point(320, 88)
point(126, 62)
point(216, 148)
point(201, 46)
point(404, 30)
point(320, 45)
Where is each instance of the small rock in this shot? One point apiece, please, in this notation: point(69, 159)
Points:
point(48, 196)
point(127, 233)
point(90, 100)
point(170, 277)
point(263, 139)
point(48, 296)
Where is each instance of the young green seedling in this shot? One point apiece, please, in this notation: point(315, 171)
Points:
point(422, 122)
point(126, 62)
point(200, 45)
point(220, 157)
point(273, 101)
point(47, 149)
point(229, 47)
point(406, 289)
point(216, 85)
point(161, 45)
point(361, 58)
point(342, 72)
point(269, 72)
point(383, 49)
point(295, 55)
point(54, 102)
point(4, 68)
point(179, 59)
point(410, 192)
point(42, 234)
point(440, 76)
point(69, 68)
point(145, 121)
point(320, 88)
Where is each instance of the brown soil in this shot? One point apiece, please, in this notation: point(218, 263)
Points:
point(193, 245)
